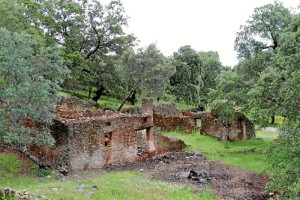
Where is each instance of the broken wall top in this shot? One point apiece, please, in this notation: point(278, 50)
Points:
point(71, 110)
point(167, 109)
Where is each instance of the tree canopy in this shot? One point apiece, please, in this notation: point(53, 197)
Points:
point(187, 80)
point(29, 83)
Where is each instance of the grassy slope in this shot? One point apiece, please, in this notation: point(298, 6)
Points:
point(105, 101)
point(112, 103)
point(231, 153)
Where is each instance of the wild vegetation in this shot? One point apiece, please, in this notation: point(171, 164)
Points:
point(47, 46)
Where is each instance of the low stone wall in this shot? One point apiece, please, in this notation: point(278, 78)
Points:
point(167, 117)
point(173, 122)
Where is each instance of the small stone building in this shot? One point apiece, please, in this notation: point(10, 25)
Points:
point(92, 139)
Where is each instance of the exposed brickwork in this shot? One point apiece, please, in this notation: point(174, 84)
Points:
point(91, 139)
point(173, 122)
point(167, 117)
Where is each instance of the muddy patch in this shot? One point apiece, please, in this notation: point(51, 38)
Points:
point(196, 171)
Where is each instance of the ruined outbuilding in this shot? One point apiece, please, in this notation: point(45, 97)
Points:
point(167, 117)
point(240, 129)
point(91, 139)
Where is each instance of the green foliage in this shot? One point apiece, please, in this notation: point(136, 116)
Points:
point(207, 195)
point(147, 71)
point(29, 86)
point(262, 30)
point(183, 106)
point(210, 69)
point(284, 158)
point(224, 111)
point(239, 154)
point(187, 80)
point(269, 46)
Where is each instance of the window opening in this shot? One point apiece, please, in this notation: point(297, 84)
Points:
point(107, 139)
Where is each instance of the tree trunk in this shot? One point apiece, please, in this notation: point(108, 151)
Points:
point(33, 158)
point(132, 99)
point(90, 92)
point(272, 119)
point(124, 100)
point(201, 108)
point(99, 93)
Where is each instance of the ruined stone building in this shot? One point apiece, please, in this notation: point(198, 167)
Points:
point(167, 117)
point(92, 139)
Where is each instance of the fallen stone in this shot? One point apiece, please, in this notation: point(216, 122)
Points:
point(82, 187)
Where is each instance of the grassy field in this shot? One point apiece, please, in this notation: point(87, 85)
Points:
point(117, 185)
point(244, 154)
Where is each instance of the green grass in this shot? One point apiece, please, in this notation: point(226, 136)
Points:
point(183, 106)
point(10, 171)
point(117, 185)
point(114, 185)
point(236, 154)
point(104, 102)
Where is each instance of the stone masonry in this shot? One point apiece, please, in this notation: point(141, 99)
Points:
point(167, 117)
point(241, 129)
point(91, 139)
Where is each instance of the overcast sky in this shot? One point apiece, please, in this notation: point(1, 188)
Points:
point(206, 25)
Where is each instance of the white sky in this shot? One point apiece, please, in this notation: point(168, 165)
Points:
point(206, 25)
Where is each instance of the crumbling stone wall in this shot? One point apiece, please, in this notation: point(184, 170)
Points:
point(241, 129)
point(167, 117)
point(92, 139)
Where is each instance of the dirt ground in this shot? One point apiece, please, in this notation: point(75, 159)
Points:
point(225, 181)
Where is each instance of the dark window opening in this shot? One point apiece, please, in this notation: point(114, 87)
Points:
point(107, 139)
point(145, 119)
point(108, 123)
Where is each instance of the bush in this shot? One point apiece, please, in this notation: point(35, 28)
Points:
point(284, 157)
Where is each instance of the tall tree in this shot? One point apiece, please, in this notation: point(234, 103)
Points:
point(28, 89)
point(211, 68)
point(147, 71)
point(261, 32)
point(89, 32)
point(187, 80)
point(278, 91)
